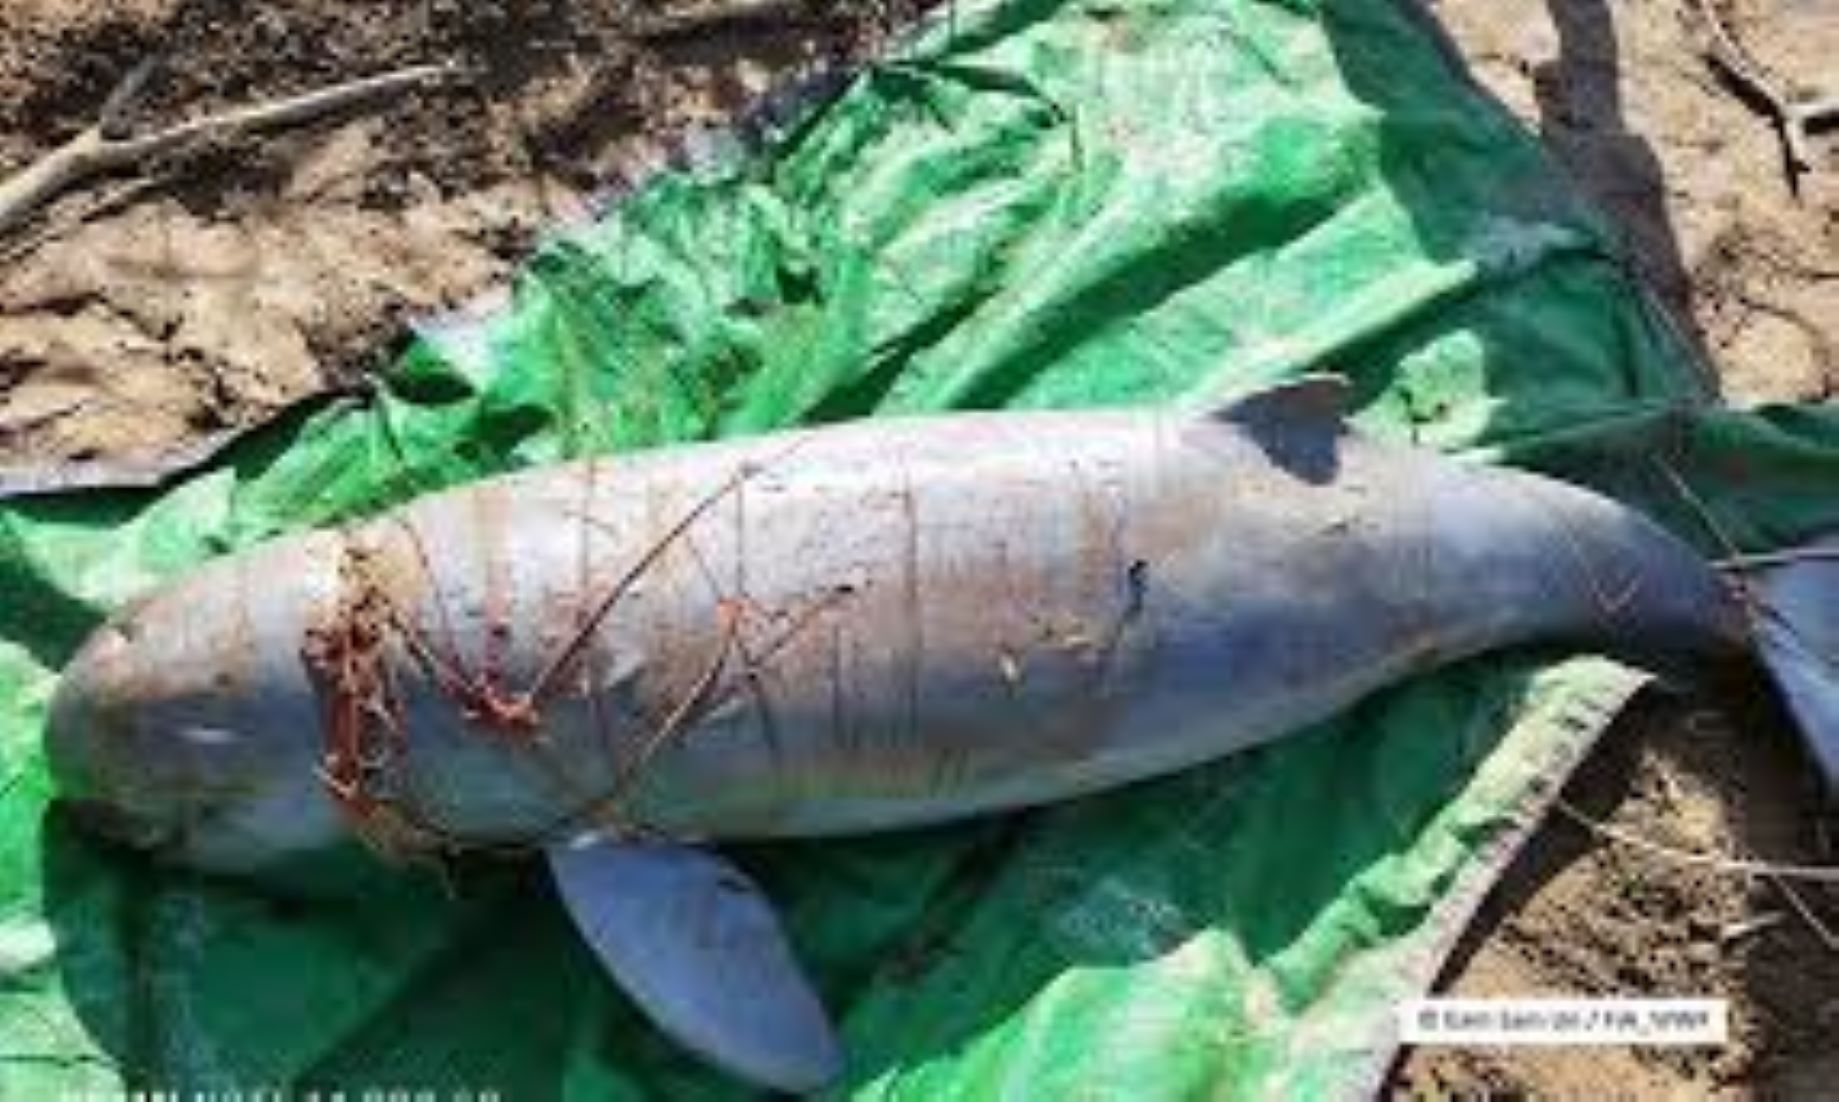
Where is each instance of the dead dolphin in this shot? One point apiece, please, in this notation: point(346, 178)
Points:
point(856, 628)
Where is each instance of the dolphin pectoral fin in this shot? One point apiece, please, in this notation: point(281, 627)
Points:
point(694, 942)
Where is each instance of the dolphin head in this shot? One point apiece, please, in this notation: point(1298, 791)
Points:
point(188, 724)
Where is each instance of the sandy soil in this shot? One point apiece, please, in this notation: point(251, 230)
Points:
point(1623, 95)
point(230, 281)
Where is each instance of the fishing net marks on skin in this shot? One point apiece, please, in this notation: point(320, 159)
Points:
point(350, 657)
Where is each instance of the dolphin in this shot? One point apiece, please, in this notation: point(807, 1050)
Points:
point(620, 663)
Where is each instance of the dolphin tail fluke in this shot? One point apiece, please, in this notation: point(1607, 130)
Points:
point(1798, 636)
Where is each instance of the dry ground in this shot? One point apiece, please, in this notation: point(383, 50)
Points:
point(240, 278)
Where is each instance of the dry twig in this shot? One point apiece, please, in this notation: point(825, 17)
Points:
point(1737, 931)
point(1764, 560)
point(1792, 116)
point(722, 13)
point(103, 148)
point(1820, 929)
point(1814, 874)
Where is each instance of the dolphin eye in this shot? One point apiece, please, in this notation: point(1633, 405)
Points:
point(207, 736)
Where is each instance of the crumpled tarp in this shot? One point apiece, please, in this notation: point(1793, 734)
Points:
point(1033, 203)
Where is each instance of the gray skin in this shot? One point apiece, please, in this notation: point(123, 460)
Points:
point(857, 628)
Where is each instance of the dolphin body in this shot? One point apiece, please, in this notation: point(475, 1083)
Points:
point(848, 629)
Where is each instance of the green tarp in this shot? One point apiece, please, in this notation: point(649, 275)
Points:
point(1033, 203)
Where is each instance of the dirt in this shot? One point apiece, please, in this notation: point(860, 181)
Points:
point(1581, 913)
point(216, 287)
point(209, 291)
point(1624, 96)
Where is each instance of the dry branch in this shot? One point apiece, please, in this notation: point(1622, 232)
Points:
point(101, 150)
point(1792, 116)
point(1734, 866)
point(725, 13)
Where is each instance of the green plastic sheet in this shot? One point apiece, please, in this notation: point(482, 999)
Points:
point(1031, 203)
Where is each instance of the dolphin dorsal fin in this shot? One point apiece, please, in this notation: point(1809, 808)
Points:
point(1298, 425)
point(1320, 398)
point(693, 941)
